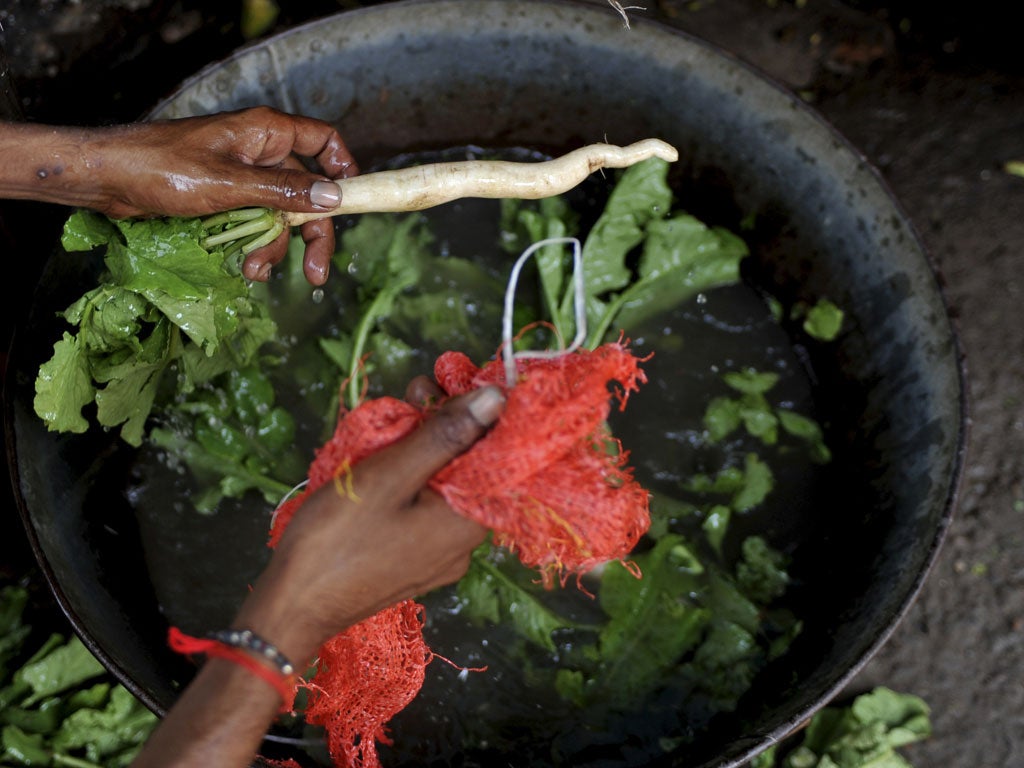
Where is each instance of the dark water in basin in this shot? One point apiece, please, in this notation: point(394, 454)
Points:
point(201, 565)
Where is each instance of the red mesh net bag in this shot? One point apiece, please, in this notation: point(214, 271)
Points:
point(549, 481)
point(365, 676)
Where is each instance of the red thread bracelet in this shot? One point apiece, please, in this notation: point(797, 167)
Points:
point(186, 644)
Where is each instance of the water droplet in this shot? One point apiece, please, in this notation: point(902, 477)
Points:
point(318, 295)
point(702, 298)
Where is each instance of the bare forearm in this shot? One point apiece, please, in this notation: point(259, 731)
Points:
point(219, 720)
point(54, 165)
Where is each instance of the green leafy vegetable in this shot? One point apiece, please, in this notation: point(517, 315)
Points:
point(234, 435)
point(824, 321)
point(60, 669)
point(650, 626)
point(679, 255)
point(407, 290)
point(164, 298)
point(752, 411)
point(746, 487)
point(863, 734)
point(806, 429)
point(49, 714)
point(760, 573)
point(499, 595)
point(684, 616)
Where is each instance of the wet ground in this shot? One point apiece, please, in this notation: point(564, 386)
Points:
point(934, 98)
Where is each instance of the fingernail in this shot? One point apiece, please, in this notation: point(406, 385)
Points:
point(325, 194)
point(319, 271)
point(486, 405)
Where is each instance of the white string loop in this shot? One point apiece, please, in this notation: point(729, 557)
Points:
point(579, 300)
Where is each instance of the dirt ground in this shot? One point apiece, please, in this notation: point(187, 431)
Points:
point(934, 98)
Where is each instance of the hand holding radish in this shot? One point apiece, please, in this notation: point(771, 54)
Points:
point(188, 167)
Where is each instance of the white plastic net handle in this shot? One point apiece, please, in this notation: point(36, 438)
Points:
point(579, 301)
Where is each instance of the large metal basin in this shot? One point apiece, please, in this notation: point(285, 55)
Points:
point(550, 76)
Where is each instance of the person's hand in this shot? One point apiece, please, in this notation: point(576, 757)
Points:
point(201, 165)
point(188, 167)
point(343, 558)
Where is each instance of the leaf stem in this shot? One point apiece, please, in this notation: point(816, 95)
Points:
point(261, 223)
point(231, 217)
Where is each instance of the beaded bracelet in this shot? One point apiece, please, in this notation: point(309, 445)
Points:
point(248, 640)
point(247, 649)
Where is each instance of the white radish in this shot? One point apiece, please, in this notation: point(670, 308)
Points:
point(424, 186)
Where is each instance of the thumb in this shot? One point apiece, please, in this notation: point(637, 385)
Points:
point(289, 189)
point(453, 429)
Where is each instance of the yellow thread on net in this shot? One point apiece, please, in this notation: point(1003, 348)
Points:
point(343, 482)
point(541, 510)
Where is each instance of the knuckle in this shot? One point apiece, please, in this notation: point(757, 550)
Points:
point(285, 182)
point(264, 113)
point(454, 431)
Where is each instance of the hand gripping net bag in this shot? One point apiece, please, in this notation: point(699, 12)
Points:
point(548, 479)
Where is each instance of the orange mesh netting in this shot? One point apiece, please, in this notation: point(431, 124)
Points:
point(365, 676)
point(548, 479)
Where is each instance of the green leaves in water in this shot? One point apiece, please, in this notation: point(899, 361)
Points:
point(822, 320)
point(507, 595)
point(234, 438)
point(679, 256)
point(687, 623)
point(751, 410)
point(408, 293)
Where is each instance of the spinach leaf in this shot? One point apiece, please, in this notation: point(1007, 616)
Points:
point(122, 725)
point(640, 196)
point(66, 666)
point(822, 321)
point(752, 411)
point(746, 487)
point(679, 255)
point(64, 386)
